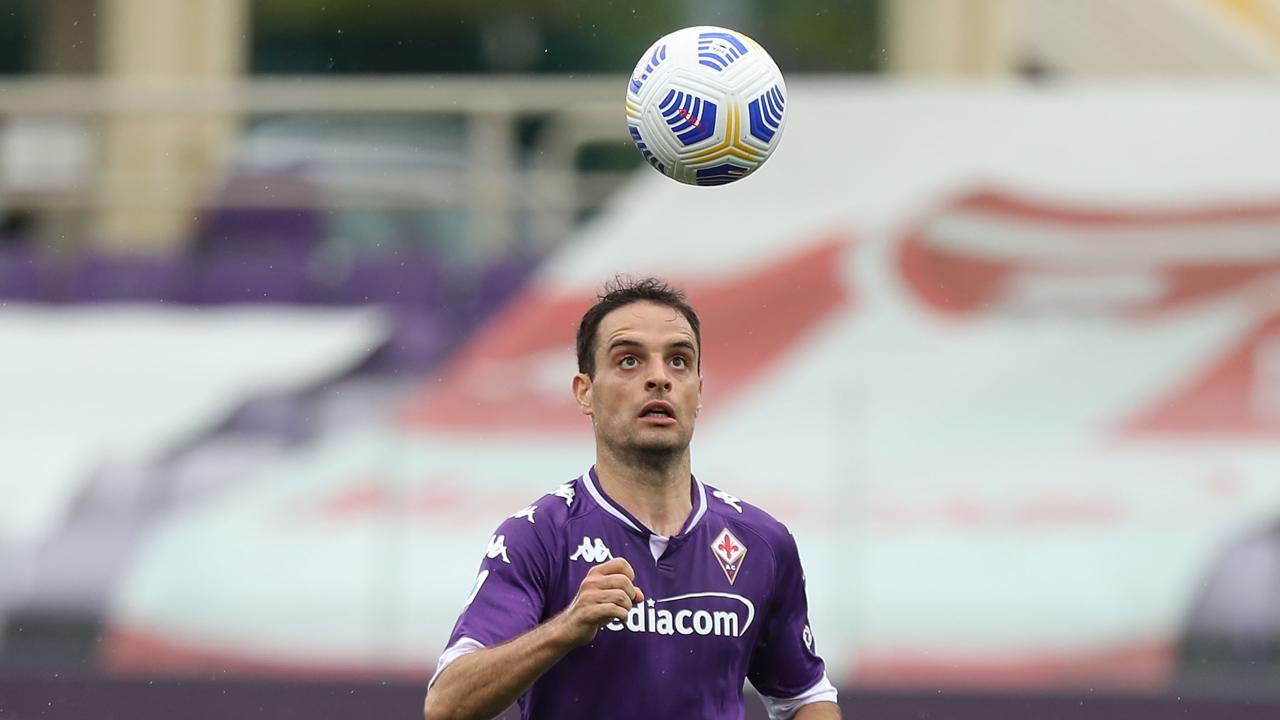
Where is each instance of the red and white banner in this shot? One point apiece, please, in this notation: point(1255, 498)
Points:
point(1006, 361)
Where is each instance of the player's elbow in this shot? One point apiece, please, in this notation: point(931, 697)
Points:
point(435, 708)
point(450, 703)
point(447, 698)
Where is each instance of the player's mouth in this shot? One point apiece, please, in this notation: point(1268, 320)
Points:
point(658, 412)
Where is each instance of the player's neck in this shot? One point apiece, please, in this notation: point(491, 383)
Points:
point(658, 495)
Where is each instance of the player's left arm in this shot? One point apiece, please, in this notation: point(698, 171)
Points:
point(818, 711)
point(785, 667)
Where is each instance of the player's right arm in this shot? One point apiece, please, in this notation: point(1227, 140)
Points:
point(483, 683)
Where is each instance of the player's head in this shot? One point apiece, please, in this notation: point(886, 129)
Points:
point(639, 367)
point(624, 291)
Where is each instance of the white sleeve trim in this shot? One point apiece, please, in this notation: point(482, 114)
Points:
point(785, 708)
point(453, 652)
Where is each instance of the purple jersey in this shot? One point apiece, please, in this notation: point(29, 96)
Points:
point(724, 600)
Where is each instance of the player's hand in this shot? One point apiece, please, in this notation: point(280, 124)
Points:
point(605, 595)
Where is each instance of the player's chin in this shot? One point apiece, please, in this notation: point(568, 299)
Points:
point(661, 439)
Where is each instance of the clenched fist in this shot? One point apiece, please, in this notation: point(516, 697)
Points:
point(605, 595)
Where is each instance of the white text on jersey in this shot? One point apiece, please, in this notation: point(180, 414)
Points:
point(648, 618)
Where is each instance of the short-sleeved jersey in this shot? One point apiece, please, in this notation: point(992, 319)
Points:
point(724, 600)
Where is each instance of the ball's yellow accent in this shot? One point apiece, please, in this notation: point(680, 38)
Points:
point(730, 146)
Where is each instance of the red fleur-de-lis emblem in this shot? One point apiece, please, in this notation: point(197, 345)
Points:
point(729, 552)
point(727, 546)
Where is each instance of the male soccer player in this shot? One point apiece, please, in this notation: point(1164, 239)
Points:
point(636, 592)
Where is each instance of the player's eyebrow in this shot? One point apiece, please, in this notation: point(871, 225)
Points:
point(629, 343)
point(624, 343)
point(685, 344)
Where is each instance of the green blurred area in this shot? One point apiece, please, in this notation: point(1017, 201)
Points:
point(16, 48)
point(544, 36)
point(531, 36)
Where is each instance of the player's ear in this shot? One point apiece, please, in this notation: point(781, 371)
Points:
point(582, 392)
point(699, 408)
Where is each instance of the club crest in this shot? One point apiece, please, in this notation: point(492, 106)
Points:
point(729, 552)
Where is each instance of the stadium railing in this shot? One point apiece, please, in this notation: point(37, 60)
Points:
point(503, 174)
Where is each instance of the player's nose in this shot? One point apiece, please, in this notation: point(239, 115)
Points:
point(658, 378)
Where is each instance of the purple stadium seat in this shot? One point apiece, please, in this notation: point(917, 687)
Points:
point(252, 277)
point(398, 279)
point(503, 279)
point(106, 279)
point(291, 222)
point(421, 338)
point(20, 275)
point(486, 290)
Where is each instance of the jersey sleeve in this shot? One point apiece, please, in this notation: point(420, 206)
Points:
point(509, 593)
point(785, 667)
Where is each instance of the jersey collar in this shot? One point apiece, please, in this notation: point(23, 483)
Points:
point(697, 493)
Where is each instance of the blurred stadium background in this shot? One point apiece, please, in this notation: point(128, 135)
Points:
point(287, 299)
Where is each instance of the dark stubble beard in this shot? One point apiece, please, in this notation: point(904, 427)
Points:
point(657, 459)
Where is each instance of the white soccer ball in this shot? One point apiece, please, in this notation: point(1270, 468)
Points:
point(705, 105)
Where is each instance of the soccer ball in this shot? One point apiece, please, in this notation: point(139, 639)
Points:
point(705, 105)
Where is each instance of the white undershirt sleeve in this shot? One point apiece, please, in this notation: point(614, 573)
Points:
point(453, 652)
point(785, 708)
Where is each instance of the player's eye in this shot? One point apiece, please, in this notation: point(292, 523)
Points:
point(680, 362)
point(628, 361)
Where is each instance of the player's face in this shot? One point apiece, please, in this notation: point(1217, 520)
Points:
point(647, 390)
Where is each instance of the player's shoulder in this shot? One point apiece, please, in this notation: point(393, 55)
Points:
point(548, 513)
point(735, 512)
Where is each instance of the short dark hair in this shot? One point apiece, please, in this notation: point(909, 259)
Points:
point(620, 292)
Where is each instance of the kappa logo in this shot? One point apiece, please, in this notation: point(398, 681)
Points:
point(526, 513)
point(807, 636)
point(498, 548)
point(728, 499)
point(592, 551)
point(729, 552)
point(565, 491)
